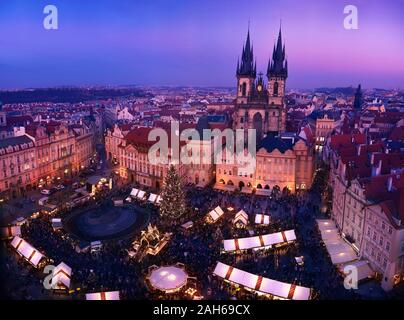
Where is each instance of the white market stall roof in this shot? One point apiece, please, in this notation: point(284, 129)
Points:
point(56, 223)
point(246, 190)
point(261, 284)
point(263, 192)
point(339, 250)
point(187, 225)
point(362, 267)
point(168, 279)
point(9, 232)
point(261, 241)
point(261, 219)
point(61, 276)
point(141, 194)
point(224, 187)
point(215, 214)
point(134, 192)
point(32, 255)
point(109, 295)
point(153, 198)
point(242, 217)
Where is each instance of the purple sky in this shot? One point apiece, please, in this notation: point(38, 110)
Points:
point(186, 42)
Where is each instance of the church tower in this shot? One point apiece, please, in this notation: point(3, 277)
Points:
point(277, 74)
point(246, 72)
point(260, 106)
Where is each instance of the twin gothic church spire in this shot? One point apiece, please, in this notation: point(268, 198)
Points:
point(277, 66)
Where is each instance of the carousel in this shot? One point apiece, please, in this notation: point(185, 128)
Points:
point(168, 279)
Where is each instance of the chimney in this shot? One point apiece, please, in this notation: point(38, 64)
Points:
point(390, 184)
point(377, 169)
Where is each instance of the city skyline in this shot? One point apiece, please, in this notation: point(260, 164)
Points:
point(180, 44)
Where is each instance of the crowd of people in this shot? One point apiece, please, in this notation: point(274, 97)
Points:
point(198, 248)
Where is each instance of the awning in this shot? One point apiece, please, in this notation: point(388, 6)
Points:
point(224, 187)
point(31, 254)
point(61, 276)
point(57, 223)
point(141, 194)
point(215, 214)
point(134, 192)
point(110, 295)
point(152, 198)
point(261, 284)
point(263, 192)
point(262, 219)
point(10, 231)
point(363, 268)
point(159, 199)
point(241, 217)
point(258, 242)
point(246, 190)
point(187, 225)
point(339, 250)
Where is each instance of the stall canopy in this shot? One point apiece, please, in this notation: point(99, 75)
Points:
point(224, 187)
point(339, 250)
point(9, 232)
point(134, 192)
point(258, 242)
point(61, 276)
point(57, 223)
point(187, 225)
point(32, 255)
point(362, 267)
point(261, 219)
point(246, 190)
point(152, 198)
point(241, 217)
point(263, 192)
point(141, 194)
point(215, 214)
point(261, 284)
point(159, 199)
point(109, 295)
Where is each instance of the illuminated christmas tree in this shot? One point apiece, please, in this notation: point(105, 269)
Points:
point(173, 203)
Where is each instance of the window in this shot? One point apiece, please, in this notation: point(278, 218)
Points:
point(276, 88)
point(387, 246)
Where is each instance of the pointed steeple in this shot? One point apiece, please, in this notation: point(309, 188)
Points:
point(246, 65)
point(278, 67)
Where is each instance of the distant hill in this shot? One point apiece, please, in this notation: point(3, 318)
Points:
point(72, 95)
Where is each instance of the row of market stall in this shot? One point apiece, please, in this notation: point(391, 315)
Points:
point(261, 285)
point(341, 252)
point(141, 195)
point(61, 274)
point(246, 190)
point(260, 242)
point(240, 219)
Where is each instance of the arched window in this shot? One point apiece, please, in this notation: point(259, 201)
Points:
point(276, 88)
